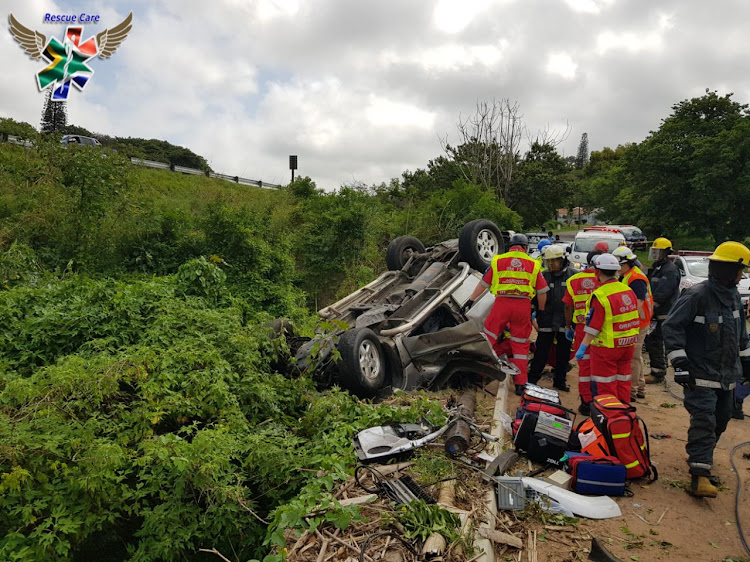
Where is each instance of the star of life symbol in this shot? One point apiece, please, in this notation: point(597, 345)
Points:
point(68, 60)
point(588, 284)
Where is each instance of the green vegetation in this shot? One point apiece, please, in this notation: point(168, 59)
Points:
point(141, 417)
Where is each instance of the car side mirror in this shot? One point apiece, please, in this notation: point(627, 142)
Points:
point(569, 249)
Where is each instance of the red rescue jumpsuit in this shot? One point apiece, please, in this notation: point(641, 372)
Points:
point(613, 320)
point(580, 287)
point(514, 278)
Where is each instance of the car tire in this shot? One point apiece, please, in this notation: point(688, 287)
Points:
point(399, 251)
point(363, 362)
point(480, 240)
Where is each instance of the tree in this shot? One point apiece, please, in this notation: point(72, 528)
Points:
point(693, 173)
point(54, 115)
point(489, 145)
point(583, 152)
point(541, 185)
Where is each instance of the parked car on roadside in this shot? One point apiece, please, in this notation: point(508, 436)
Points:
point(406, 329)
point(80, 140)
point(633, 235)
point(534, 239)
point(585, 241)
point(693, 266)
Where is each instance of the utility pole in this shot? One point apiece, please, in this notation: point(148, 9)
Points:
point(292, 164)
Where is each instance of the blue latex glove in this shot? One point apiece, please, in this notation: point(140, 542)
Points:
point(533, 316)
point(581, 352)
point(570, 334)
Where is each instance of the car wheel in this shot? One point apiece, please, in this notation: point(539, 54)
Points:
point(400, 250)
point(363, 362)
point(480, 240)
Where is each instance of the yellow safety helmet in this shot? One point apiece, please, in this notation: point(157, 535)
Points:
point(732, 252)
point(661, 244)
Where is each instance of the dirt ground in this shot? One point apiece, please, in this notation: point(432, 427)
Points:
point(690, 529)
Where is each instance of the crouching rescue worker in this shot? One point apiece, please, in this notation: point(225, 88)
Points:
point(611, 330)
point(706, 339)
point(514, 278)
point(551, 320)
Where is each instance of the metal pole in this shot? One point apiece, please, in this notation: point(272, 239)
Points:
point(292, 174)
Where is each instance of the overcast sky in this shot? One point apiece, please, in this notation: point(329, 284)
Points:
point(362, 91)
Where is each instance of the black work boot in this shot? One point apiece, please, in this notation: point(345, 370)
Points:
point(585, 408)
point(701, 487)
point(737, 410)
point(655, 377)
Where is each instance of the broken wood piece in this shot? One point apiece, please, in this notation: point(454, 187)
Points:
point(358, 500)
point(447, 495)
point(300, 541)
point(346, 545)
point(323, 550)
point(386, 469)
point(499, 537)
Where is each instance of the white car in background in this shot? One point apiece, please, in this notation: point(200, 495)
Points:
point(693, 266)
point(586, 240)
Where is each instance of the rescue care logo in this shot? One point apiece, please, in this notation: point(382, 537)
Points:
point(68, 59)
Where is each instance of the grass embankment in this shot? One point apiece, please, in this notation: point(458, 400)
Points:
point(140, 414)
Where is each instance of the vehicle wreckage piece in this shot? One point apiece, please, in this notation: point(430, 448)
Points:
point(378, 443)
point(596, 507)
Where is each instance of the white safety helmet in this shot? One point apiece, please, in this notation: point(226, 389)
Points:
point(553, 251)
point(623, 254)
point(607, 262)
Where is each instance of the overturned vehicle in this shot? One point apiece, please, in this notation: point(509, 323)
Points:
point(406, 330)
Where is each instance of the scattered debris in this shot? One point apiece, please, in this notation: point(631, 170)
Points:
point(661, 436)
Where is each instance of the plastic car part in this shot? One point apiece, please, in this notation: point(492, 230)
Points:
point(597, 507)
point(479, 241)
point(400, 250)
point(378, 443)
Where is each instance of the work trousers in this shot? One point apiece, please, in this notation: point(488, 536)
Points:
point(610, 371)
point(710, 410)
point(514, 313)
point(655, 348)
point(584, 367)
point(544, 343)
point(638, 374)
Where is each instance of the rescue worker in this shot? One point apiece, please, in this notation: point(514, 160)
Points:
point(664, 278)
point(514, 278)
point(611, 330)
point(576, 299)
point(543, 243)
point(633, 277)
point(551, 321)
point(707, 343)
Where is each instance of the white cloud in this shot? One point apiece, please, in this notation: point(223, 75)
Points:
point(562, 65)
point(365, 90)
point(635, 41)
point(589, 6)
point(383, 112)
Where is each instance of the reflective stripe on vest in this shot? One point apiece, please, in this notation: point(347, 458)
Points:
point(621, 321)
point(580, 287)
point(648, 304)
point(514, 274)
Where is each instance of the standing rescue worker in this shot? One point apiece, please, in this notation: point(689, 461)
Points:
point(514, 278)
point(707, 342)
point(664, 278)
point(633, 277)
point(611, 330)
point(576, 300)
point(551, 320)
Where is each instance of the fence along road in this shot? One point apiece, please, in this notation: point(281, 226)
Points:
point(4, 137)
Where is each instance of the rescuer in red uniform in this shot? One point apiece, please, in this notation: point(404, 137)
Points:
point(612, 327)
point(514, 278)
